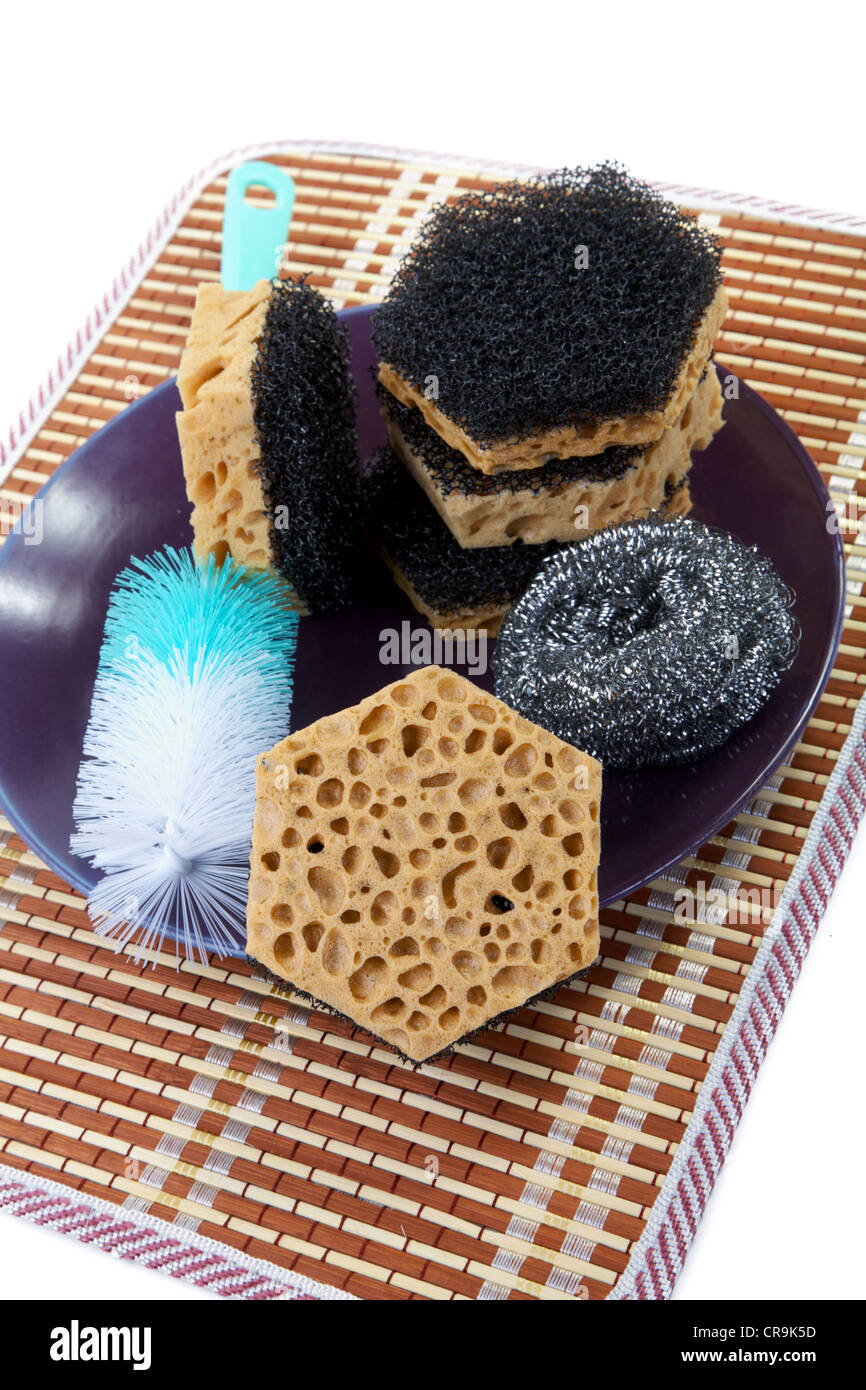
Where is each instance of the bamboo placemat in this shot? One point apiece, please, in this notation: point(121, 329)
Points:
point(531, 1163)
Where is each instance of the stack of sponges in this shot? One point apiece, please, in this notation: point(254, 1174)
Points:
point(545, 371)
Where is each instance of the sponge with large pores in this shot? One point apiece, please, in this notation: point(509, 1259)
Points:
point(424, 861)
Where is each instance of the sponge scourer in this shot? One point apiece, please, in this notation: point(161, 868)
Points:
point(268, 436)
point(453, 587)
point(424, 861)
point(551, 318)
point(562, 499)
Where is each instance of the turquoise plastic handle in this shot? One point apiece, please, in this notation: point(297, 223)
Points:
point(253, 237)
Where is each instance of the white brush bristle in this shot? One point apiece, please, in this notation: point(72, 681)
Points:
point(194, 682)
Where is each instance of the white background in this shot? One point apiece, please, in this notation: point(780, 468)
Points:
point(105, 109)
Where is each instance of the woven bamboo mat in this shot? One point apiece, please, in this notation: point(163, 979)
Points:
point(528, 1164)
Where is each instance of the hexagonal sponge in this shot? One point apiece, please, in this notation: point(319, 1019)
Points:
point(424, 861)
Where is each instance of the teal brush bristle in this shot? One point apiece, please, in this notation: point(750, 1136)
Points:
point(194, 681)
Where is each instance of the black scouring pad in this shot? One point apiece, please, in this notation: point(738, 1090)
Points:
point(303, 400)
point(569, 300)
point(448, 580)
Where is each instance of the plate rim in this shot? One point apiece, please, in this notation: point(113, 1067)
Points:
point(822, 493)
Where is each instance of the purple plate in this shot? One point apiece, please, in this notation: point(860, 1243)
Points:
point(122, 494)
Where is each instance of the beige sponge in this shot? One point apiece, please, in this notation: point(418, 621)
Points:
point(217, 435)
point(424, 861)
point(482, 511)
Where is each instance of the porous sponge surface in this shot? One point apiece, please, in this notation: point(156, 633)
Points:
point(303, 401)
point(560, 501)
point(424, 861)
point(490, 304)
point(217, 436)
